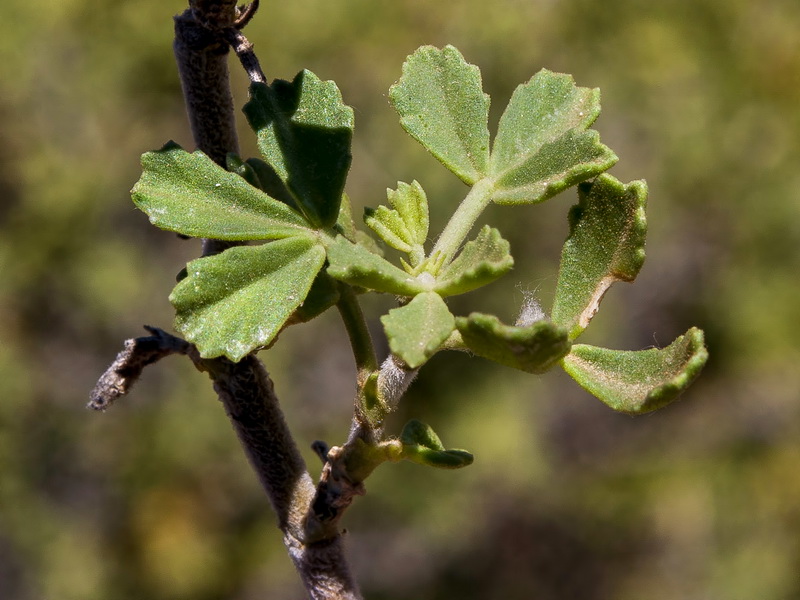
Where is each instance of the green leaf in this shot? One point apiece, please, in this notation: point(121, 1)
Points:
point(389, 226)
point(236, 302)
point(304, 132)
point(441, 104)
point(421, 445)
point(542, 145)
point(356, 265)
point(323, 294)
point(534, 349)
point(411, 203)
point(605, 244)
point(482, 260)
point(418, 329)
point(192, 195)
point(404, 226)
point(638, 382)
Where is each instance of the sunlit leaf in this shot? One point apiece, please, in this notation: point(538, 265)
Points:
point(356, 265)
point(441, 104)
point(411, 203)
point(642, 381)
point(542, 144)
point(417, 330)
point(390, 227)
point(482, 260)
point(235, 302)
point(534, 349)
point(304, 132)
point(192, 195)
point(605, 244)
point(404, 223)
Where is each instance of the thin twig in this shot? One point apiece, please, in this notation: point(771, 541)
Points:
point(129, 364)
point(244, 51)
point(244, 14)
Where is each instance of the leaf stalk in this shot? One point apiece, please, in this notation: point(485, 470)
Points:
point(463, 219)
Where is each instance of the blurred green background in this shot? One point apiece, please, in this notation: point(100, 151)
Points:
point(566, 499)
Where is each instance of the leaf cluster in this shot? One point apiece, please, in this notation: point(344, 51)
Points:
point(311, 252)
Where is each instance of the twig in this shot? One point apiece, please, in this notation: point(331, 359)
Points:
point(244, 14)
point(244, 50)
point(242, 46)
point(129, 364)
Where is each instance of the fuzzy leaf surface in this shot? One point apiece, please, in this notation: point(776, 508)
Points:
point(605, 244)
point(543, 144)
point(482, 260)
point(421, 445)
point(390, 227)
point(441, 104)
point(642, 381)
point(404, 226)
point(235, 302)
point(356, 265)
point(411, 203)
point(533, 349)
point(190, 194)
point(304, 132)
point(418, 329)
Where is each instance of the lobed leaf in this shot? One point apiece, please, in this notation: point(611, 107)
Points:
point(642, 381)
point(441, 104)
point(411, 203)
point(533, 349)
point(542, 145)
point(233, 303)
point(417, 330)
point(192, 195)
point(356, 265)
point(390, 227)
point(421, 445)
point(605, 244)
point(304, 132)
point(482, 260)
point(404, 226)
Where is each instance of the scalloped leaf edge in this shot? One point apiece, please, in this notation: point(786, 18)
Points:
point(681, 363)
